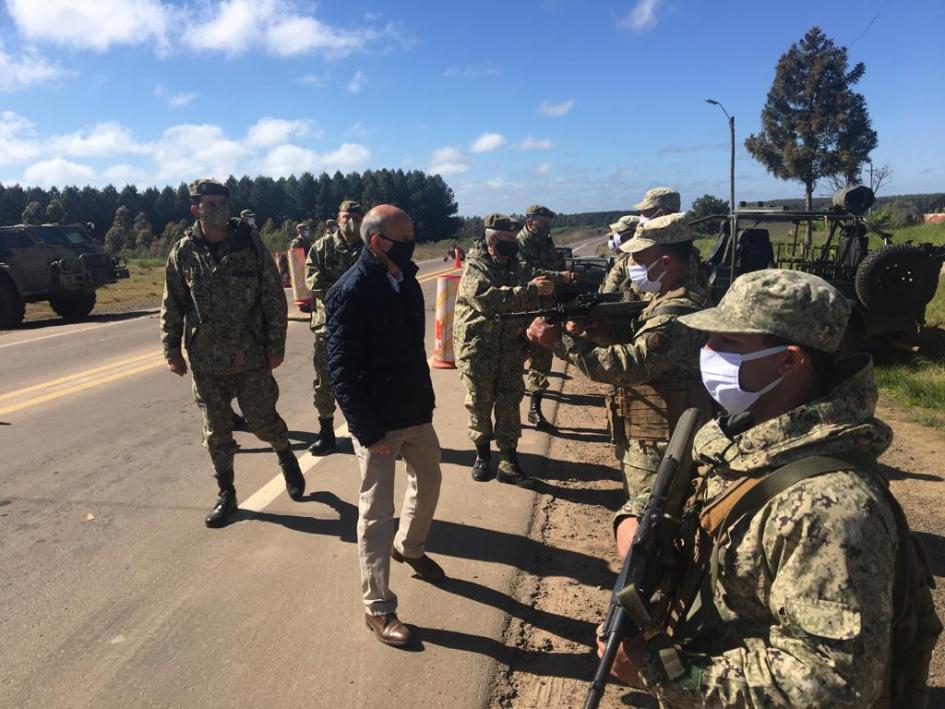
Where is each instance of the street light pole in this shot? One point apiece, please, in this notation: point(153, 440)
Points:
point(731, 175)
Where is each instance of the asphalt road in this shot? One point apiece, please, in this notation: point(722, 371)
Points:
point(115, 594)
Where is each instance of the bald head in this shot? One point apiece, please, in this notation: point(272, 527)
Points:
point(388, 221)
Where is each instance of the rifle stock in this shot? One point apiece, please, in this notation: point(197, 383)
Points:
point(642, 566)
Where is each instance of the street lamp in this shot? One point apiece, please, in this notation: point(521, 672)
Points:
point(731, 128)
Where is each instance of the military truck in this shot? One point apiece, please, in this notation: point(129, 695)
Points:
point(52, 262)
point(889, 287)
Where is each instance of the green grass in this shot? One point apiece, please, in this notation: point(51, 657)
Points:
point(916, 387)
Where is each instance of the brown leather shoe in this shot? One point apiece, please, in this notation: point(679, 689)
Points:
point(388, 629)
point(426, 568)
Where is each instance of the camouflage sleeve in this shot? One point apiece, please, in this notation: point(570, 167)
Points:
point(174, 306)
point(476, 288)
point(529, 256)
point(314, 272)
point(272, 301)
point(653, 353)
point(615, 276)
point(827, 548)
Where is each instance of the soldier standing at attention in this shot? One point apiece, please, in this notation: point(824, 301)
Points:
point(539, 257)
point(327, 261)
point(223, 298)
point(802, 605)
point(658, 370)
point(490, 353)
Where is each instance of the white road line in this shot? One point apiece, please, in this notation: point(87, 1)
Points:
point(73, 332)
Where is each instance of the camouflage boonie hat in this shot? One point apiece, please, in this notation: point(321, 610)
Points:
point(247, 213)
point(499, 222)
point(349, 205)
point(536, 210)
point(799, 307)
point(668, 229)
point(665, 197)
point(207, 186)
point(627, 224)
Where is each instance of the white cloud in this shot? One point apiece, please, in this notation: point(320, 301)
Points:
point(180, 100)
point(554, 110)
point(92, 24)
point(58, 172)
point(125, 175)
point(473, 71)
point(357, 83)
point(293, 160)
point(543, 168)
point(641, 16)
point(487, 142)
point(531, 143)
point(311, 80)
point(26, 70)
point(268, 132)
point(103, 140)
point(447, 161)
point(18, 139)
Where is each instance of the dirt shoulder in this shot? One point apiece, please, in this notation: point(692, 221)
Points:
point(554, 662)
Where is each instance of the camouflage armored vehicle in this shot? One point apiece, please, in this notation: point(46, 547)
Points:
point(52, 262)
point(888, 286)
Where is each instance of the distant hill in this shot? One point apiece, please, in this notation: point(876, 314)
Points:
point(921, 203)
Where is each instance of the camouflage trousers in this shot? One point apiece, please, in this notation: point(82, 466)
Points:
point(321, 384)
point(495, 392)
point(539, 365)
point(640, 461)
point(257, 393)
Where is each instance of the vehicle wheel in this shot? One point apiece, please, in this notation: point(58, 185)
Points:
point(896, 277)
point(73, 308)
point(12, 307)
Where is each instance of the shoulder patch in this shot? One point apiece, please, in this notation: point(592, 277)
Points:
point(657, 342)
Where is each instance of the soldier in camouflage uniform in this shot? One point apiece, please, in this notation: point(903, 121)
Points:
point(303, 237)
point(799, 610)
point(490, 353)
point(659, 367)
point(327, 261)
point(617, 280)
point(539, 257)
point(224, 299)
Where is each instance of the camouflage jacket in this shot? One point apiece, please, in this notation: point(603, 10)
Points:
point(617, 279)
point(230, 311)
point(538, 256)
point(803, 609)
point(327, 261)
point(486, 288)
point(662, 349)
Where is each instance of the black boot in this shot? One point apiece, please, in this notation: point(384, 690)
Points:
point(510, 472)
point(325, 441)
point(480, 469)
point(294, 480)
point(239, 422)
point(535, 416)
point(219, 516)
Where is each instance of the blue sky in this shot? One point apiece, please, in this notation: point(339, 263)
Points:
point(579, 105)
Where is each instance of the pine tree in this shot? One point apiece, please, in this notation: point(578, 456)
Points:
point(32, 213)
point(54, 212)
point(119, 236)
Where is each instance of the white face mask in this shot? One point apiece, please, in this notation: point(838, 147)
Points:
point(720, 372)
point(643, 220)
point(251, 221)
point(614, 242)
point(640, 275)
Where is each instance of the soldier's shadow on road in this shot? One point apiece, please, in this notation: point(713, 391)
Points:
point(55, 320)
point(892, 473)
point(594, 400)
point(537, 466)
point(344, 526)
point(303, 439)
point(934, 547)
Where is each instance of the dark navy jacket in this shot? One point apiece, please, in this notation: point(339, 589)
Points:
point(379, 371)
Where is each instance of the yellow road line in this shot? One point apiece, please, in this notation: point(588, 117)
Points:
point(431, 276)
point(79, 375)
point(80, 387)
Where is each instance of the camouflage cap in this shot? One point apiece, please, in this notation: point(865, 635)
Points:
point(349, 205)
point(207, 186)
point(668, 229)
point(330, 223)
point(516, 223)
point(626, 224)
point(664, 197)
point(247, 213)
point(536, 210)
point(301, 226)
point(499, 222)
point(799, 307)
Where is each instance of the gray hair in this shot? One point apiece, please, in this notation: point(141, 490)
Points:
point(493, 233)
point(371, 224)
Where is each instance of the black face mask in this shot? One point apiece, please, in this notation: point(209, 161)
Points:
point(509, 249)
point(400, 253)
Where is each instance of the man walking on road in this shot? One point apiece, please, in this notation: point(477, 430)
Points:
point(327, 261)
point(224, 299)
point(381, 380)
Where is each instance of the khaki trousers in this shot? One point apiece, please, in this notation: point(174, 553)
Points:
point(420, 449)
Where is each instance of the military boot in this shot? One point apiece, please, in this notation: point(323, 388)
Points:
point(480, 469)
point(219, 516)
point(294, 480)
point(325, 440)
point(510, 472)
point(535, 416)
point(239, 422)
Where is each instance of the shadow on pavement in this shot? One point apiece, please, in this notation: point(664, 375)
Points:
point(55, 320)
point(892, 473)
point(590, 400)
point(303, 440)
point(344, 527)
point(934, 547)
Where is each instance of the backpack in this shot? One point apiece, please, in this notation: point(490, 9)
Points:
point(915, 624)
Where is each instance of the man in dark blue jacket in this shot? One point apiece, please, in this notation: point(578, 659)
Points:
point(381, 381)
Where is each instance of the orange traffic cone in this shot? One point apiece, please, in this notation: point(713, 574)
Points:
point(457, 261)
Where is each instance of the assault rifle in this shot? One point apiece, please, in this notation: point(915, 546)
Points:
point(652, 545)
point(583, 307)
